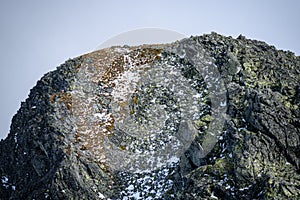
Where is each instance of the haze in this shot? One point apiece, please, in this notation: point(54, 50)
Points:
point(37, 36)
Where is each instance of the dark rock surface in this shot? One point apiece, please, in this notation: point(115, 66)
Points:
point(209, 117)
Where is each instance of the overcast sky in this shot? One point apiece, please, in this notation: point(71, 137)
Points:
point(37, 36)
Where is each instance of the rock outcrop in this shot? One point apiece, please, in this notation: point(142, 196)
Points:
point(208, 117)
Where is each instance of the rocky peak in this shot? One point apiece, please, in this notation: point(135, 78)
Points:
point(208, 117)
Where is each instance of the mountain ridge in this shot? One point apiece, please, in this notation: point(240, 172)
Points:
point(53, 148)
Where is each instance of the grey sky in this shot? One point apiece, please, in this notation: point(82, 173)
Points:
point(36, 36)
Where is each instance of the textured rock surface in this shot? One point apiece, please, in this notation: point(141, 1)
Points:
point(208, 117)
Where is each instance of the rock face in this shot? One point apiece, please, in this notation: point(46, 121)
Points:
point(209, 117)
